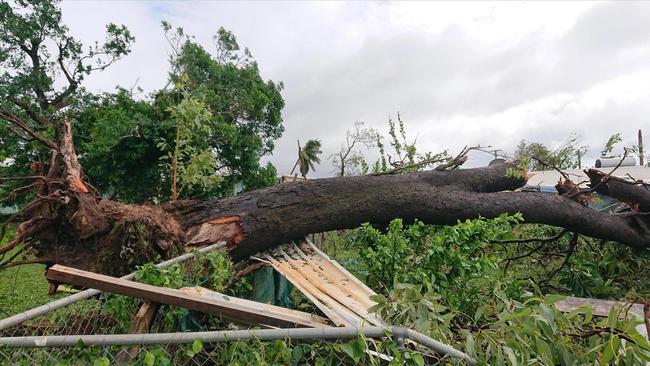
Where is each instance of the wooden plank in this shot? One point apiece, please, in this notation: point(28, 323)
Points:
point(142, 320)
point(207, 293)
point(341, 271)
point(342, 297)
point(338, 280)
point(267, 315)
point(602, 308)
point(139, 325)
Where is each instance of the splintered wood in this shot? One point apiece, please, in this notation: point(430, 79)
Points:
point(336, 292)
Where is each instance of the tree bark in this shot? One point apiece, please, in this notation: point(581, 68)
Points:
point(261, 219)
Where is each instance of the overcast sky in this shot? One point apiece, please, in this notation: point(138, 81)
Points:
point(459, 73)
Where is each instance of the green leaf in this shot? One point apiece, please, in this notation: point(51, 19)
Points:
point(544, 350)
point(518, 314)
point(551, 299)
point(197, 346)
point(611, 348)
point(418, 359)
point(470, 345)
point(353, 349)
point(612, 317)
point(511, 355)
point(149, 359)
point(297, 355)
point(103, 361)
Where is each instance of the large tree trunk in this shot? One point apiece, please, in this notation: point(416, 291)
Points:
point(71, 225)
point(259, 220)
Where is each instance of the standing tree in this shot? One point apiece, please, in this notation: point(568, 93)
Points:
point(538, 156)
point(126, 143)
point(245, 109)
point(43, 67)
point(608, 150)
point(307, 157)
point(349, 161)
point(189, 158)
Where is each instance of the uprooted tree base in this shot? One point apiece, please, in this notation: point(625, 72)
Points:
point(70, 224)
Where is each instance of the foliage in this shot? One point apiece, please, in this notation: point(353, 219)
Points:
point(595, 269)
point(245, 109)
point(37, 47)
point(349, 160)
point(308, 155)
point(400, 156)
point(189, 159)
point(522, 330)
point(531, 329)
point(610, 145)
point(404, 156)
point(116, 137)
point(211, 270)
point(120, 139)
point(437, 255)
point(441, 282)
point(42, 68)
point(538, 156)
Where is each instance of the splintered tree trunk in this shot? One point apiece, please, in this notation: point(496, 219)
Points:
point(69, 224)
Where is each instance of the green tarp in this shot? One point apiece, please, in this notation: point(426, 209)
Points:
point(271, 287)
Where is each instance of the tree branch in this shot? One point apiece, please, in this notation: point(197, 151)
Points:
point(12, 118)
point(531, 240)
point(572, 247)
point(36, 71)
point(25, 107)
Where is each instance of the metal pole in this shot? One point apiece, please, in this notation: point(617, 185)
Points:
point(437, 346)
point(234, 335)
point(44, 309)
point(641, 157)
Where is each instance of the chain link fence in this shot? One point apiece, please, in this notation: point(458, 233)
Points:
point(92, 332)
point(301, 346)
point(92, 328)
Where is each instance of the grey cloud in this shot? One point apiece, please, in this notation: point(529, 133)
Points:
point(433, 78)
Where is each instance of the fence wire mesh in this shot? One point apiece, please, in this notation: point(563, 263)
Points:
point(106, 314)
point(250, 352)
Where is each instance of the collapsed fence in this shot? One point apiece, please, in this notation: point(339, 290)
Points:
point(89, 328)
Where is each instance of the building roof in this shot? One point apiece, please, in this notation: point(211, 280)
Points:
point(549, 178)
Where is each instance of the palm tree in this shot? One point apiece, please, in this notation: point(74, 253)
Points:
point(307, 157)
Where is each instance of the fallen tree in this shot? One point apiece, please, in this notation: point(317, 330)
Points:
point(68, 223)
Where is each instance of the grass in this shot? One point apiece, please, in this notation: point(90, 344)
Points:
point(22, 288)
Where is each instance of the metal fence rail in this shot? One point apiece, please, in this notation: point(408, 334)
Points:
point(398, 334)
